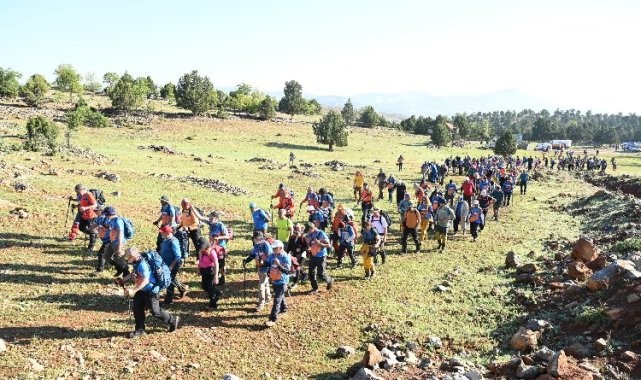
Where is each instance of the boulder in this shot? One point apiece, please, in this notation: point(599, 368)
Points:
point(578, 350)
point(616, 271)
point(597, 264)
point(628, 356)
point(527, 268)
point(563, 369)
point(473, 375)
point(600, 344)
point(372, 357)
point(365, 374)
point(577, 270)
point(389, 363)
point(537, 325)
point(524, 371)
point(512, 260)
point(524, 339)
point(544, 354)
point(345, 351)
point(584, 250)
point(388, 354)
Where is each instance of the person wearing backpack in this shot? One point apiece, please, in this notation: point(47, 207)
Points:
point(461, 212)
point(145, 294)
point(318, 242)
point(524, 178)
point(346, 244)
point(259, 217)
point(262, 249)
point(209, 271)
point(297, 247)
point(426, 217)
point(102, 228)
point(190, 224)
point(444, 215)
point(169, 215)
point(401, 190)
point(380, 181)
point(476, 219)
point(411, 221)
point(366, 202)
point(359, 181)
point(115, 251)
point(508, 189)
point(380, 223)
point(172, 257)
point(279, 265)
point(284, 226)
point(403, 206)
point(498, 195)
point(371, 240)
point(219, 235)
point(85, 216)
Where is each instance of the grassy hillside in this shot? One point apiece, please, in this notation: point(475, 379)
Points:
point(56, 311)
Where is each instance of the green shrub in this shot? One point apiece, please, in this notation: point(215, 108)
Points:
point(629, 245)
point(41, 133)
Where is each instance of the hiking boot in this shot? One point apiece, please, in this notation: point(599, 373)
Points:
point(136, 334)
point(173, 326)
point(183, 291)
point(330, 284)
point(270, 323)
point(313, 292)
point(260, 307)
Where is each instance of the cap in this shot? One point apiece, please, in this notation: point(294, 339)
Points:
point(252, 205)
point(277, 244)
point(166, 229)
point(164, 198)
point(258, 235)
point(109, 211)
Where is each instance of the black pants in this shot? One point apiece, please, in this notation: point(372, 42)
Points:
point(350, 253)
point(84, 226)
point(112, 257)
point(390, 192)
point(367, 209)
point(279, 301)
point(221, 271)
point(507, 199)
point(175, 283)
point(457, 222)
point(318, 266)
point(207, 284)
point(149, 300)
point(483, 219)
point(406, 232)
point(380, 193)
point(468, 199)
point(400, 166)
point(194, 235)
point(474, 229)
point(523, 187)
point(381, 252)
point(102, 259)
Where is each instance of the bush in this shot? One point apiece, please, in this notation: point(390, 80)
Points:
point(9, 86)
point(196, 93)
point(41, 133)
point(128, 93)
point(34, 90)
point(629, 245)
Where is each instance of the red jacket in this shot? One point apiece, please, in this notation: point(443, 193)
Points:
point(468, 189)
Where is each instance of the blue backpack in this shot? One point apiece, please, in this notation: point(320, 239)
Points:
point(129, 230)
point(158, 268)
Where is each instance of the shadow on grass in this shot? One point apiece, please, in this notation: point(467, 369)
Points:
point(86, 302)
point(272, 144)
point(11, 240)
point(24, 335)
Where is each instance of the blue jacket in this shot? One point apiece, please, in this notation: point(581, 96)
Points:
point(143, 270)
point(285, 262)
point(260, 219)
point(170, 251)
point(260, 252)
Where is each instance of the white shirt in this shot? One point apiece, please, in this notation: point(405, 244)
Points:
point(379, 224)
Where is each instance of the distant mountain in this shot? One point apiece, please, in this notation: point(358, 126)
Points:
point(421, 103)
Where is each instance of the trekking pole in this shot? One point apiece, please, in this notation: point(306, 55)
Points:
point(67, 216)
point(129, 302)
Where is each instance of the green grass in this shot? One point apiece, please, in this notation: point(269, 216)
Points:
point(52, 299)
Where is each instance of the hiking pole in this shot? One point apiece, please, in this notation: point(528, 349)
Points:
point(129, 301)
point(67, 216)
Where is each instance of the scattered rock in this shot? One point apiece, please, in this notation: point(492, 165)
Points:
point(95, 356)
point(19, 213)
point(3, 345)
point(434, 342)
point(615, 313)
point(157, 356)
point(372, 356)
point(345, 351)
point(424, 363)
point(389, 363)
point(411, 346)
point(598, 263)
point(193, 365)
point(544, 354)
point(577, 270)
point(20, 187)
point(584, 250)
point(578, 350)
point(473, 375)
point(208, 183)
point(537, 325)
point(365, 374)
point(411, 358)
point(524, 339)
point(116, 194)
point(387, 353)
point(634, 297)
point(573, 290)
point(512, 260)
point(616, 271)
point(526, 269)
point(231, 376)
point(628, 356)
point(113, 177)
point(161, 148)
point(524, 371)
point(600, 344)
point(442, 288)
point(35, 366)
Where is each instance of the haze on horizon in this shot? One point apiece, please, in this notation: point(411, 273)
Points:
point(572, 54)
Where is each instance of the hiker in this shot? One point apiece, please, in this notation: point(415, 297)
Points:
point(347, 236)
point(286, 203)
point(475, 218)
point(339, 216)
point(380, 181)
point(461, 212)
point(468, 191)
point(325, 196)
point(297, 248)
point(379, 223)
point(399, 162)
point(292, 157)
point(524, 178)
point(411, 221)
point(508, 188)
point(259, 217)
point(169, 215)
point(322, 215)
point(444, 215)
point(391, 185)
point(359, 180)
point(85, 215)
point(401, 190)
point(172, 257)
point(284, 226)
point(115, 251)
point(262, 249)
point(313, 202)
point(190, 224)
point(145, 294)
point(403, 206)
point(279, 265)
point(425, 210)
point(219, 236)
point(450, 192)
point(425, 168)
point(485, 201)
point(366, 205)
point(498, 195)
point(419, 193)
point(209, 271)
point(614, 164)
point(318, 243)
point(102, 229)
point(371, 240)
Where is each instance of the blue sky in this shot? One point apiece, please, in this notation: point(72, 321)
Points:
point(581, 54)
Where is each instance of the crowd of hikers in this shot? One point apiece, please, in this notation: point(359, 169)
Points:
point(432, 208)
